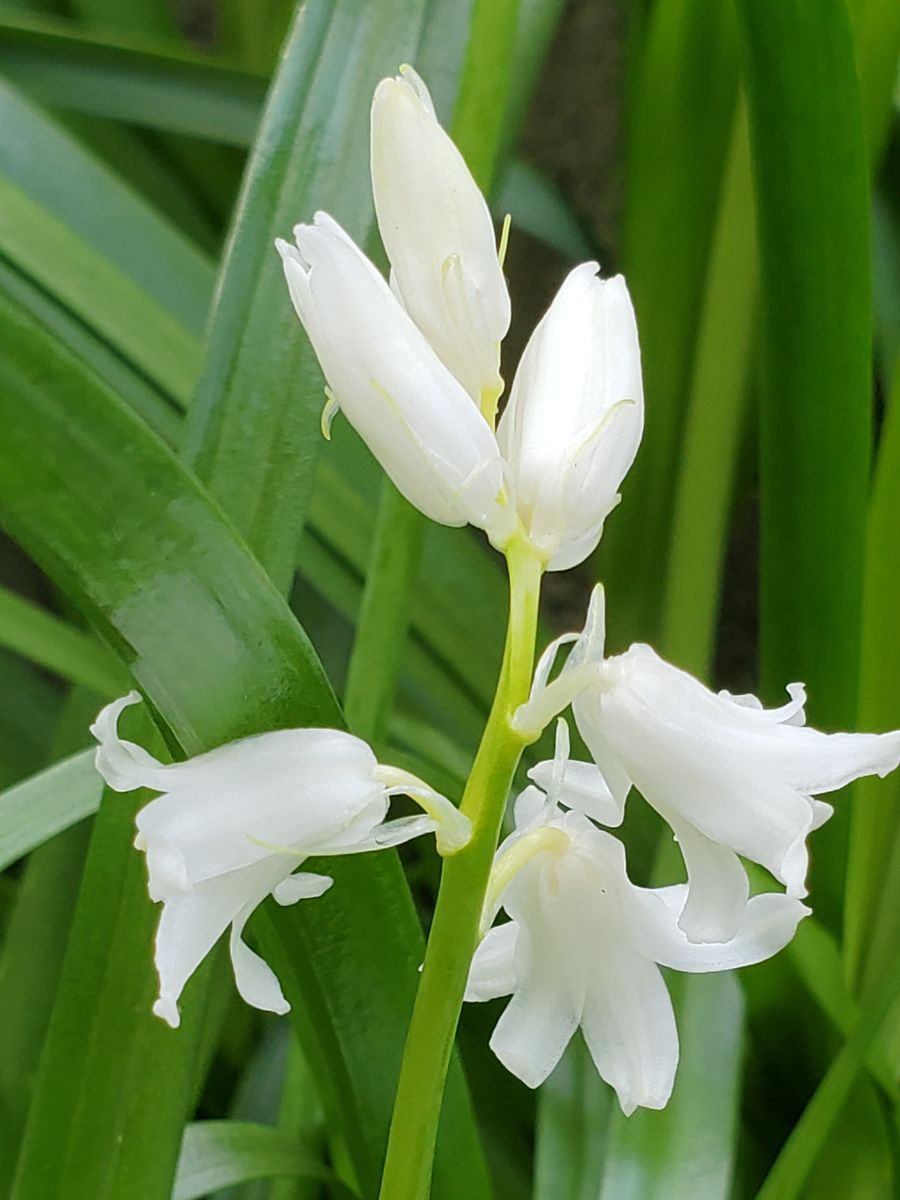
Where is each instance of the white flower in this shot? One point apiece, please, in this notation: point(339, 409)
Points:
point(412, 413)
point(575, 416)
point(730, 777)
point(583, 948)
point(439, 237)
point(232, 826)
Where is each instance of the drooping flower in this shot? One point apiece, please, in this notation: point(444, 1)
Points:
point(583, 947)
point(439, 236)
point(415, 417)
point(730, 777)
point(233, 825)
point(575, 416)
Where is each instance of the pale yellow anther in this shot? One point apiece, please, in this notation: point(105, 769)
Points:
point(330, 410)
point(504, 239)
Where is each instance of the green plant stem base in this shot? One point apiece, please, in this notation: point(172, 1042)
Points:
point(454, 931)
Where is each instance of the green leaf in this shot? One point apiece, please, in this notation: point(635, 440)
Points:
point(144, 16)
point(98, 208)
point(812, 1132)
point(478, 117)
point(714, 421)
point(35, 810)
point(574, 1109)
point(683, 97)
point(218, 1154)
point(253, 430)
point(41, 917)
point(686, 1151)
point(45, 639)
point(140, 82)
point(538, 208)
point(872, 892)
point(812, 202)
point(114, 1083)
point(46, 251)
point(233, 661)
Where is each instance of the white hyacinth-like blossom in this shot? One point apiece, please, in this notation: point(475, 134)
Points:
point(583, 947)
point(415, 365)
point(730, 777)
point(234, 825)
point(415, 417)
point(575, 416)
point(437, 230)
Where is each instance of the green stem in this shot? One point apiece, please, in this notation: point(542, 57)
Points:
point(454, 931)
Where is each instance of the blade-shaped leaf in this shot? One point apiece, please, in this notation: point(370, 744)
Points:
point(131, 80)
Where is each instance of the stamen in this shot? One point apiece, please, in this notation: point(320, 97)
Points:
point(504, 240)
point(329, 412)
point(547, 840)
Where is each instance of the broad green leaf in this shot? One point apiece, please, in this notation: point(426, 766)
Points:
point(216, 649)
point(114, 1083)
point(573, 1116)
point(44, 805)
point(251, 31)
point(143, 83)
point(218, 1154)
point(480, 110)
point(683, 95)
point(812, 205)
point(872, 896)
point(714, 422)
point(144, 16)
point(45, 639)
point(97, 207)
point(46, 251)
point(810, 1136)
point(538, 208)
point(383, 617)
point(29, 707)
point(686, 1151)
point(33, 949)
point(253, 429)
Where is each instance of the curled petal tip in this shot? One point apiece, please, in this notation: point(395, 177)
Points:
point(166, 1008)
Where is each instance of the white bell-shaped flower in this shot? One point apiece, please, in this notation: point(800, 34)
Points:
point(583, 947)
point(233, 825)
point(575, 416)
point(439, 237)
point(412, 413)
point(730, 777)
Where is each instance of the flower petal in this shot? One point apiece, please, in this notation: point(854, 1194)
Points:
point(718, 888)
point(124, 765)
point(190, 925)
point(537, 1024)
point(493, 970)
point(629, 1028)
point(768, 923)
point(575, 415)
point(412, 413)
point(437, 230)
point(305, 885)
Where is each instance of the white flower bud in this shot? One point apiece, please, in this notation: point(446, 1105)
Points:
point(414, 416)
point(575, 416)
point(232, 826)
point(439, 237)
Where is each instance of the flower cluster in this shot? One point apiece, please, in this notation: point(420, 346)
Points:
point(415, 366)
point(414, 363)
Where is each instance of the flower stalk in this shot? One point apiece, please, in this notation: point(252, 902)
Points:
point(457, 916)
